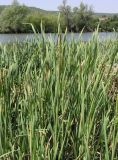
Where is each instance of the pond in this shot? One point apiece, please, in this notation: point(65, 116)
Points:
point(5, 38)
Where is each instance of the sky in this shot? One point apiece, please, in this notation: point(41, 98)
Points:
point(104, 6)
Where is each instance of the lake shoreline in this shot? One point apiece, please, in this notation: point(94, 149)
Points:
point(85, 36)
point(57, 32)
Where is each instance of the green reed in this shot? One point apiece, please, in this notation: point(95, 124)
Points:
point(56, 100)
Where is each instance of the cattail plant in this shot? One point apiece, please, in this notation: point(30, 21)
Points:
point(55, 99)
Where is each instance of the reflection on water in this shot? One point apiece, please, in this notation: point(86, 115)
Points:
point(5, 38)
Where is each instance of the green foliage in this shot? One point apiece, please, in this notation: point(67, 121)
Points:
point(114, 22)
point(58, 101)
point(83, 17)
point(49, 22)
point(34, 18)
point(110, 24)
point(12, 18)
point(66, 12)
point(77, 18)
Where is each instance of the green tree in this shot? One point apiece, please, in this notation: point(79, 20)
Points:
point(12, 18)
point(34, 18)
point(82, 17)
point(65, 10)
point(49, 22)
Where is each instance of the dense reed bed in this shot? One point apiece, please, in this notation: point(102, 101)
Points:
point(58, 100)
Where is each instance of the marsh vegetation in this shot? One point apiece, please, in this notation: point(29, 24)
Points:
point(58, 100)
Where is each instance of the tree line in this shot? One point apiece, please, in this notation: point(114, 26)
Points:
point(15, 19)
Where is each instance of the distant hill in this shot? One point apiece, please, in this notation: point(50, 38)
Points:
point(56, 12)
point(2, 7)
point(43, 11)
point(106, 14)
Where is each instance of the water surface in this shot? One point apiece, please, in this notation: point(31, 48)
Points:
point(5, 38)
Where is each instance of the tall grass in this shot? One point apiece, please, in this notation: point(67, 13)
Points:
point(58, 100)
